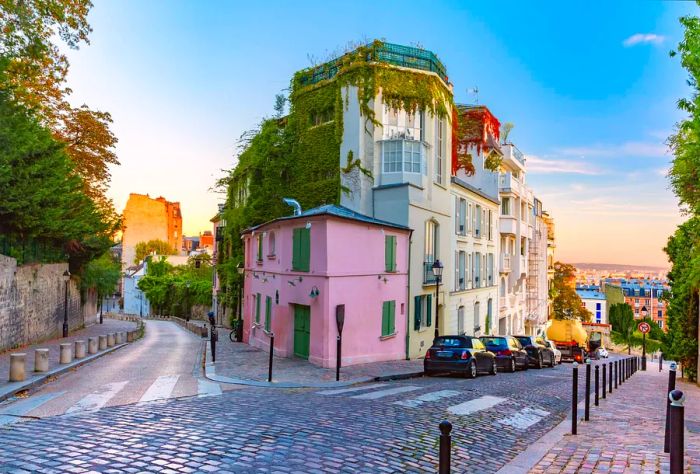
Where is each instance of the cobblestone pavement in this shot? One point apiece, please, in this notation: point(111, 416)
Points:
point(626, 433)
point(378, 427)
point(109, 325)
point(239, 360)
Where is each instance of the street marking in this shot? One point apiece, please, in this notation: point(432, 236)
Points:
point(99, 398)
point(428, 397)
point(207, 388)
point(524, 418)
point(160, 389)
point(472, 406)
point(353, 389)
point(16, 410)
point(386, 393)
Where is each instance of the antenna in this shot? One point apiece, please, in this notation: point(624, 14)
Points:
point(474, 90)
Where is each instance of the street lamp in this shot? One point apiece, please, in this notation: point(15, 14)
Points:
point(187, 302)
point(644, 341)
point(66, 279)
point(437, 271)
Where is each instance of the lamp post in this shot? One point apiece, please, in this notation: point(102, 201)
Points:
point(644, 342)
point(437, 271)
point(187, 302)
point(66, 279)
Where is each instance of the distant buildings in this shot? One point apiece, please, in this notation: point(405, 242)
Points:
point(595, 302)
point(645, 298)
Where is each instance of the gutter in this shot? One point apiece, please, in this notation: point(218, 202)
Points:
point(408, 295)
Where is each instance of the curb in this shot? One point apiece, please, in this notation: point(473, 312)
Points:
point(210, 373)
point(15, 387)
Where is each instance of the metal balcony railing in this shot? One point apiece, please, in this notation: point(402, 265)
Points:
point(428, 275)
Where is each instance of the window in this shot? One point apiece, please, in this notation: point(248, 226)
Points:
point(470, 270)
point(268, 313)
point(260, 248)
point(505, 207)
point(257, 308)
point(402, 156)
point(392, 116)
point(469, 217)
point(598, 317)
point(661, 324)
point(477, 318)
point(392, 157)
point(462, 270)
point(660, 314)
point(301, 249)
point(597, 306)
point(489, 270)
point(460, 320)
point(390, 253)
point(460, 216)
point(422, 316)
point(432, 234)
point(477, 221)
point(440, 150)
point(319, 118)
point(477, 270)
point(523, 245)
point(271, 245)
point(490, 227)
point(388, 314)
point(489, 315)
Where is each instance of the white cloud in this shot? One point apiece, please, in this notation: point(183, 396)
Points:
point(536, 164)
point(636, 149)
point(643, 38)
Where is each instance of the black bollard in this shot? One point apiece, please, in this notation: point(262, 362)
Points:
point(676, 399)
point(671, 387)
point(597, 383)
point(615, 364)
point(337, 358)
point(587, 411)
point(574, 399)
point(213, 336)
point(445, 447)
point(272, 350)
point(610, 378)
point(605, 380)
point(661, 361)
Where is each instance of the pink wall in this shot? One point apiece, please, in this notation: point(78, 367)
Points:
point(347, 266)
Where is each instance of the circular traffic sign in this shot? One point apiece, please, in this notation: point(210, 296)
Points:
point(644, 327)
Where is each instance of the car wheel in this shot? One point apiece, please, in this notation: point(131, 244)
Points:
point(512, 365)
point(540, 362)
point(471, 371)
point(494, 369)
point(552, 362)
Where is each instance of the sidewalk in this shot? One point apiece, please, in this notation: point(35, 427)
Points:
point(239, 363)
point(7, 388)
point(626, 432)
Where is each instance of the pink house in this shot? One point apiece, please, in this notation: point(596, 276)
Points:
point(301, 270)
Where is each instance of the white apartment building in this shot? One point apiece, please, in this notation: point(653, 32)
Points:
point(537, 274)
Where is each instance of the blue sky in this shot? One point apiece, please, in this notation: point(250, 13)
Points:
point(589, 86)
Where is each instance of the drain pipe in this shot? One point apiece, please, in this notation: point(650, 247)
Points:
point(408, 296)
point(293, 203)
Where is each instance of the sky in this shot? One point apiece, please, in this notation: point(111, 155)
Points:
point(590, 88)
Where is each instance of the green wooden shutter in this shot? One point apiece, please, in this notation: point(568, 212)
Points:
point(305, 249)
point(393, 253)
point(260, 248)
point(385, 317)
point(392, 313)
point(387, 253)
point(429, 309)
point(257, 308)
point(417, 312)
point(268, 313)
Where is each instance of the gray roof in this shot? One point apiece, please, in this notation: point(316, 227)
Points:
point(336, 211)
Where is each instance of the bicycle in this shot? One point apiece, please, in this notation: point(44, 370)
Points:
point(237, 326)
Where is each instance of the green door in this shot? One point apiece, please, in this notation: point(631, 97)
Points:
point(302, 330)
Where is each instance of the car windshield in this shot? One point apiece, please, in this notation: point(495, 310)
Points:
point(494, 341)
point(453, 342)
point(524, 340)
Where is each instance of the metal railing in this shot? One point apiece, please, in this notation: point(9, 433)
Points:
point(428, 275)
point(28, 250)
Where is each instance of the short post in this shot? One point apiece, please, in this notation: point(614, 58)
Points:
point(615, 364)
point(130, 336)
point(605, 379)
point(587, 411)
point(17, 367)
point(272, 349)
point(597, 383)
point(65, 355)
point(445, 447)
point(676, 399)
point(103, 342)
point(671, 387)
point(213, 337)
point(610, 378)
point(574, 399)
point(339, 322)
point(338, 346)
point(110, 339)
point(41, 360)
point(92, 345)
point(79, 349)
point(661, 361)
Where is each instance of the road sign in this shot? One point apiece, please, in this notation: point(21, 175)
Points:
point(644, 327)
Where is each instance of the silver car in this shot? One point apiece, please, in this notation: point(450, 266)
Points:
point(557, 352)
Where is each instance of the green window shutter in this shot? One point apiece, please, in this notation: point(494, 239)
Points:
point(305, 249)
point(268, 313)
point(385, 317)
point(392, 313)
point(257, 308)
point(429, 304)
point(260, 243)
point(295, 249)
point(393, 253)
point(417, 312)
point(387, 253)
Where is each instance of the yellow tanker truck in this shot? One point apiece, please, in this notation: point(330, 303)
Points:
point(572, 339)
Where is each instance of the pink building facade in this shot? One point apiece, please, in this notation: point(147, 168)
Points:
point(300, 269)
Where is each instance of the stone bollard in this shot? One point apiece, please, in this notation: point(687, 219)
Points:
point(79, 349)
point(103, 342)
point(92, 345)
point(130, 336)
point(66, 355)
point(118, 338)
point(41, 360)
point(124, 337)
point(17, 362)
point(110, 339)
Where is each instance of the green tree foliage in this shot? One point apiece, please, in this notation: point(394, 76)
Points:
point(173, 290)
point(621, 319)
point(565, 302)
point(681, 342)
point(103, 274)
point(160, 247)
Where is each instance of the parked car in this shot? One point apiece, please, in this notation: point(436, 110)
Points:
point(557, 352)
point(459, 354)
point(539, 354)
point(509, 353)
point(602, 352)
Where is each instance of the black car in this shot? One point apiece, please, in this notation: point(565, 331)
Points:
point(538, 353)
point(510, 355)
point(461, 354)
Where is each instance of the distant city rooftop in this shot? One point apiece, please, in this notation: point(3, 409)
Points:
point(590, 294)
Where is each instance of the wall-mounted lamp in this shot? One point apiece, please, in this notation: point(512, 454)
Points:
point(308, 225)
point(314, 292)
point(240, 269)
point(300, 279)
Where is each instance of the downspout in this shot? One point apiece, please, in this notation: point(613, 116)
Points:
point(408, 295)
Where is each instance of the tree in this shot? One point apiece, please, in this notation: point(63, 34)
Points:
point(565, 302)
point(103, 274)
point(173, 290)
point(622, 321)
point(160, 247)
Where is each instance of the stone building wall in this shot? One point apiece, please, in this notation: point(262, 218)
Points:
point(32, 303)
